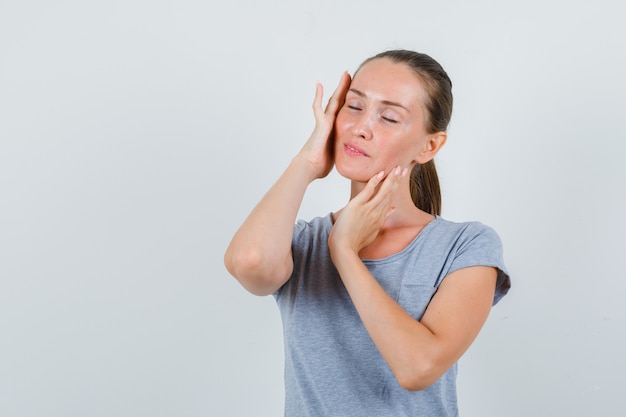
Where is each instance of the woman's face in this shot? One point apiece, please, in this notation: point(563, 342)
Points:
point(381, 124)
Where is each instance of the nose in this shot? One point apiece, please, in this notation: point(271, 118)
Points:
point(363, 126)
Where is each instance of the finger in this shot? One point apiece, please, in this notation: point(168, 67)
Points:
point(389, 185)
point(393, 179)
point(317, 101)
point(370, 188)
point(337, 99)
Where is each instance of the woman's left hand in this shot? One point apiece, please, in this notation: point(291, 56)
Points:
point(361, 219)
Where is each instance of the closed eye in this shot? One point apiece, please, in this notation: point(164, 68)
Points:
point(387, 119)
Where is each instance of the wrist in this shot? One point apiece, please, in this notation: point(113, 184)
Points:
point(305, 167)
point(341, 252)
point(345, 261)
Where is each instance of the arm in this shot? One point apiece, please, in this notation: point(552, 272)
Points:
point(259, 255)
point(417, 352)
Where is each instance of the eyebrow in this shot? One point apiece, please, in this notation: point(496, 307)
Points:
point(386, 102)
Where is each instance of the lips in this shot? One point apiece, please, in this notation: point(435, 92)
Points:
point(354, 150)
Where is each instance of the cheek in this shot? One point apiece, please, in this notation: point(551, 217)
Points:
point(405, 150)
point(340, 122)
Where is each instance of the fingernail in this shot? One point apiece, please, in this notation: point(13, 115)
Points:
point(404, 172)
point(380, 174)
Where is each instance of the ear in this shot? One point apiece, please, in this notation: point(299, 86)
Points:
point(434, 142)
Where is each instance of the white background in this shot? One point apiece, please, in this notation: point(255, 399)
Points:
point(136, 135)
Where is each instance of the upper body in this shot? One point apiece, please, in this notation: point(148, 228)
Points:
point(332, 366)
point(389, 120)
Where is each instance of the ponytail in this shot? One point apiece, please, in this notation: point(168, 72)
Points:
point(425, 190)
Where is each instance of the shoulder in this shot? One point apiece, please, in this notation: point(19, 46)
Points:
point(465, 228)
point(476, 244)
point(468, 236)
point(463, 235)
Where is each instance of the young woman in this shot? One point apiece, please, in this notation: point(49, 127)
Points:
point(382, 297)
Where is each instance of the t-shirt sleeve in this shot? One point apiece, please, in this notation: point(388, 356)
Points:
point(480, 245)
point(303, 233)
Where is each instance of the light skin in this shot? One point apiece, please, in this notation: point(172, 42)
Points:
point(373, 132)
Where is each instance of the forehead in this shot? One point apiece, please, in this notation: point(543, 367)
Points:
point(384, 79)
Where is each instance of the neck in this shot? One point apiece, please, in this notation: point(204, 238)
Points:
point(405, 212)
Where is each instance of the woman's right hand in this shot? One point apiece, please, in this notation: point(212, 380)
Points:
point(318, 149)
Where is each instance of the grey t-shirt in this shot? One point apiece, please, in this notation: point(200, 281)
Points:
point(332, 367)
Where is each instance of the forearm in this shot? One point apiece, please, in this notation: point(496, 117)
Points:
point(419, 352)
point(259, 255)
point(410, 349)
